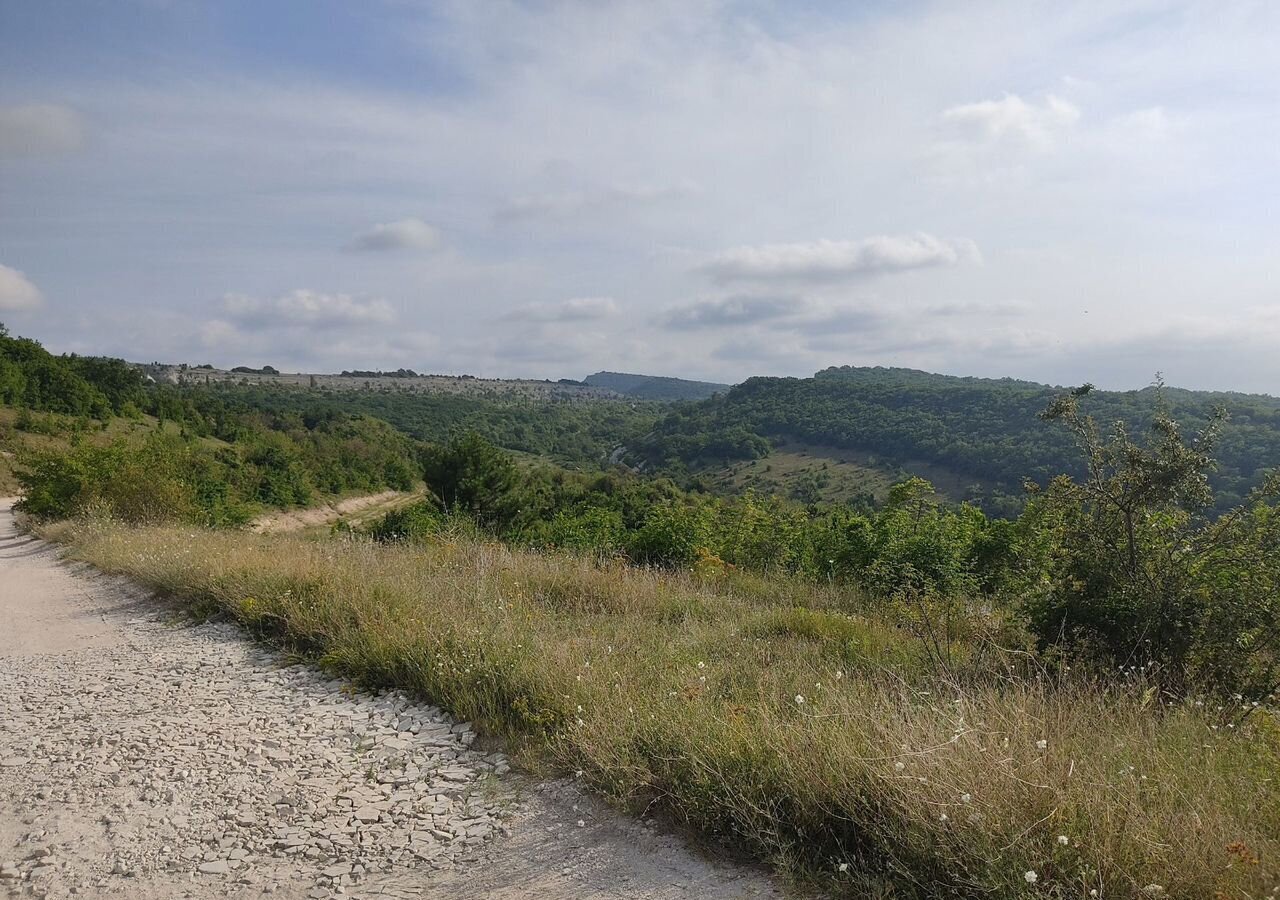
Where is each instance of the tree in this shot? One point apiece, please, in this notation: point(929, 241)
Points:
point(471, 474)
point(1134, 571)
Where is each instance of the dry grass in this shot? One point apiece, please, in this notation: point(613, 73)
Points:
point(684, 694)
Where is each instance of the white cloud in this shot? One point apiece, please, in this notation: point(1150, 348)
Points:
point(826, 260)
point(570, 204)
point(305, 308)
point(17, 293)
point(1013, 120)
point(576, 309)
point(977, 309)
point(405, 234)
point(735, 310)
point(40, 129)
point(1131, 190)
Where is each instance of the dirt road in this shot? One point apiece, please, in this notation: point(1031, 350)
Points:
point(145, 757)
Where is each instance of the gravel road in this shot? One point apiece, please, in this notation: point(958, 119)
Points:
point(145, 757)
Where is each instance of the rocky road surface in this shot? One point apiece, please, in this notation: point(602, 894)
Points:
point(145, 757)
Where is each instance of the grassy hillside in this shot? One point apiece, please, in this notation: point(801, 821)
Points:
point(811, 473)
point(983, 436)
point(804, 723)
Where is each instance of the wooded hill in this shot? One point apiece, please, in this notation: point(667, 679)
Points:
point(983, 433)
point(654, 387)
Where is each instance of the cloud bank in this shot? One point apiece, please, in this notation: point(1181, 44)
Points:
point(828, 261)
point(576, 309)
point(306, 308)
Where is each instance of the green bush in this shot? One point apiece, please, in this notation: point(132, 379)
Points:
point(413, 522)
point(1137, 575)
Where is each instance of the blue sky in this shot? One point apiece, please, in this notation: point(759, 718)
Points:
point(1057, 191)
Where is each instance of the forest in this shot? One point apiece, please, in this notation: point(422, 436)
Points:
point(984, 430)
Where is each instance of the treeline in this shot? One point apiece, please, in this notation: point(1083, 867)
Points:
point(573, 432)
point(168, 474)
point(34, 379)
point(982, 429)
point(201, 459)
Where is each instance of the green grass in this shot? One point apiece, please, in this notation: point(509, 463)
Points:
point(841, 475)
point(793, 721)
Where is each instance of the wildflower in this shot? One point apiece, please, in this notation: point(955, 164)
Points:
point(1030, 876)
point(1042, 744)
point(1063, 840)
point(844, 867)
point(799, 699)
point(899, 766)
point(1154, 890)
point(966, 798)
point(944, 818)
point(702, 665)
point(581, 824)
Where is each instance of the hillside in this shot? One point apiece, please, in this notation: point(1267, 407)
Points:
point(982, 436)
point(403, 381)
point(654, 387)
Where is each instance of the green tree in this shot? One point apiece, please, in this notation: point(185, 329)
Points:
point(1136, 574)
point(472, 475)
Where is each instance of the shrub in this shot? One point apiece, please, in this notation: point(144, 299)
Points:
point(1137, 575)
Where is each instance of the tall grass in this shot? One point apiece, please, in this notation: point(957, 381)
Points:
point(787, 719)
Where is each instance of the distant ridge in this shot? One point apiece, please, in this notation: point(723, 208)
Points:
point(654, 387)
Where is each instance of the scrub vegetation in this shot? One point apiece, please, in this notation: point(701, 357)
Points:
point(904, 696)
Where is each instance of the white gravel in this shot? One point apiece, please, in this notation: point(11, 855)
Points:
point(144, 757)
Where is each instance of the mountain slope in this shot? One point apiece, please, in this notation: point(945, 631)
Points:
point(984, 432)
point(654, 387)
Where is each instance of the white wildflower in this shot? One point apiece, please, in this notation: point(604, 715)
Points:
point(966, 798)
point(899, 766)
point(799, 699)
point(1042, 744)
point(1063, 840)
point(1030, 876)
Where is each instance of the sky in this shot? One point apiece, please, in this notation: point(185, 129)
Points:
point(1057, 191)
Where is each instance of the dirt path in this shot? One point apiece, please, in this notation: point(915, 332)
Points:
point(356, 509)
point(147, 759)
